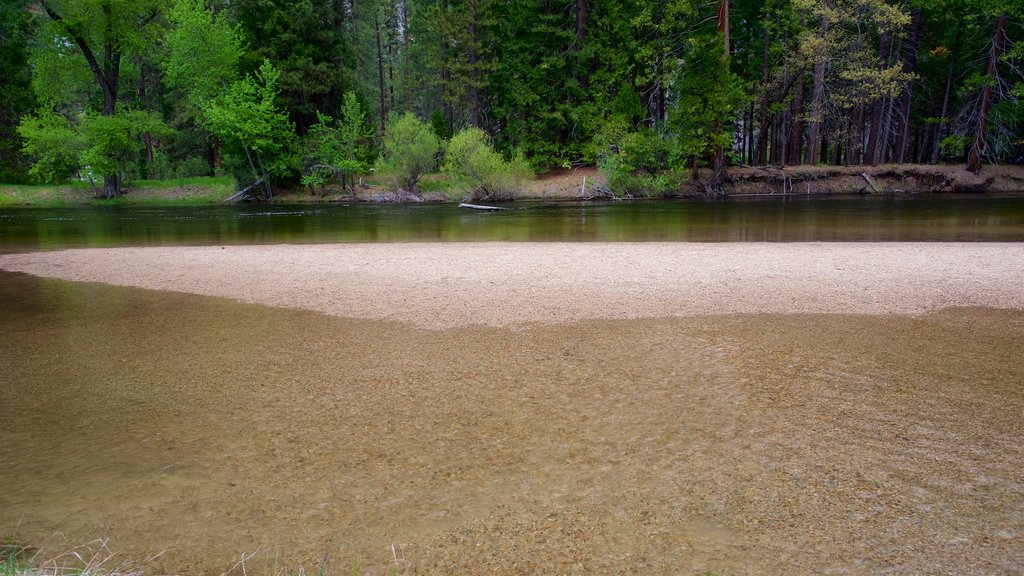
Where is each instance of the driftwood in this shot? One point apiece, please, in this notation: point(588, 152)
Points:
point(244, 191)
point(871, 183)
point(479, 207)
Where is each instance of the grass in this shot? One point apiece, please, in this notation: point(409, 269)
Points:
point(176, 191)
point(93, 559)
point(96, 559)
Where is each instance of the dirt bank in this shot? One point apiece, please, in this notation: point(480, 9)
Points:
point(889, 179)
point(503, 284)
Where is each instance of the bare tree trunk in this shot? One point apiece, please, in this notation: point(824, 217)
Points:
point(380, 77)
point(856, 147)
point(817, 100)
point(718, 161)
point(762, 111)
point(474, 71)
point(406, 85)
point(876, 139)
point(974, 159)
point(796, 133)
point(909, 64)
point(954, 58)
point(391, 60)
point(582, 75)
point(355, 39)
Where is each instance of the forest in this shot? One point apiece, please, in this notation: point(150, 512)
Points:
point(311, 92)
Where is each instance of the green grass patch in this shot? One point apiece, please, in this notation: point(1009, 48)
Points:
point(172, 192)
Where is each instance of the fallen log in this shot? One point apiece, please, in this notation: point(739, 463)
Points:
point(244, 191)
point(479, 207)
point(871, 183)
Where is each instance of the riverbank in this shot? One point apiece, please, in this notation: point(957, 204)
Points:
point(565, 184)
point(501, 284)
point(183, 191)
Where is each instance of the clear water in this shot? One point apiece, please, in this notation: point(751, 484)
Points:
point(924, 218)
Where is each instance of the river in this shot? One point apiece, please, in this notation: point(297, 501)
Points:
point(186, 433)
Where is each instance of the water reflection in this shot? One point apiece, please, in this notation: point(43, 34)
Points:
point(932, 218)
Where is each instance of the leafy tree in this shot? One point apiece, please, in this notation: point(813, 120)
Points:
point(247, 116)
point(203, 53)
point(409, 151)
point(53, 143)
point(337, 148)
point(106, 33)
point(473, 165)
point(710, 100)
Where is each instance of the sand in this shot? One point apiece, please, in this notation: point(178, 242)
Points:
point(527, 408)
point(513, 284)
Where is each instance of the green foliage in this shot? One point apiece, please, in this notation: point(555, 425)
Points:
point(203, 52)
point(476, 169)
point(409, 151)
point(94, 145)
point(16, 97)
point(247, 115)
point(111, 143)
point(710, 100)
point(307, 41)
point(954, 146)
point(336, 148)
point(635, 163)
point(52, 144)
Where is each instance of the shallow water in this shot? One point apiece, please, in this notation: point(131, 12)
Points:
point(907, 218)
point(204, 428)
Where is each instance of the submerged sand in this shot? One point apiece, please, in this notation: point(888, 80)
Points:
point(508, 284)
point(589, 439)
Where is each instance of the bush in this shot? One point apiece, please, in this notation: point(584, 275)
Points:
point(636, 164)
point(409, 151)
point(625, 183)
point(476, 169)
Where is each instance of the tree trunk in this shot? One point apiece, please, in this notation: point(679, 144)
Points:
point(718, 161)
point(954, 58)
point(876, 139)
point(380, 77)
point(107, 76)
point(796, 132)
point(977, 153)
point(817, 101)
point(406, 84)
point(474, 72)
point(391, 61)
point(762, 111)
point(355, 40)
point(581, 35)
point(854, 150)
point(909, 64)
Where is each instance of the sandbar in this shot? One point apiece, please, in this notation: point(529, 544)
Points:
point(439, 286)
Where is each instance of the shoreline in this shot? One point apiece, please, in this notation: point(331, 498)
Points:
point(568, 185)
point(441, 286)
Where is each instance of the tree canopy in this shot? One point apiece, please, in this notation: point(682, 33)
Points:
point(266, 89)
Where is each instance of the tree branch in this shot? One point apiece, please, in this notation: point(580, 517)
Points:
point(80, 41)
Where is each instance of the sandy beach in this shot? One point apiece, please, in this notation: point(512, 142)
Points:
point(504, 284)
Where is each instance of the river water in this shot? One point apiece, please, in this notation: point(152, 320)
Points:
point(188, 431)
point(795, 219)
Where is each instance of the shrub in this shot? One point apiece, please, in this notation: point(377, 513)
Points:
point(636, 164)
point(476, 169)
point(409, 151)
